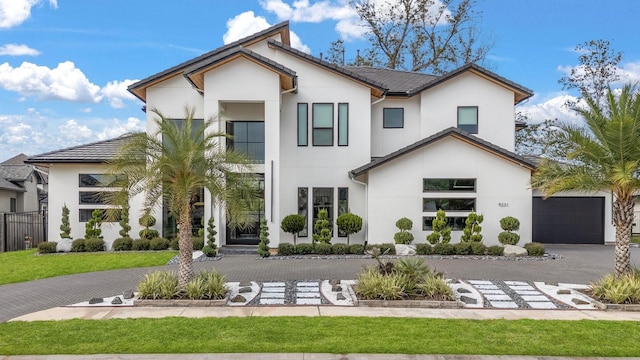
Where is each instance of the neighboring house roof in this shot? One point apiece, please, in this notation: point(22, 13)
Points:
point(8, 185)
point(139, 88)
point(377, 88)
point(453, 132)
point(97, 152)
point(14, 172)
point(398, 82)
point(16, 160)
point(195, 73)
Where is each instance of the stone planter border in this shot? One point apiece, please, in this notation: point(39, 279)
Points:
point(425, 304)
point(616, 307)
point(181, 302)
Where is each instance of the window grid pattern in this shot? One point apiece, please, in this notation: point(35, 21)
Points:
point(322, 124)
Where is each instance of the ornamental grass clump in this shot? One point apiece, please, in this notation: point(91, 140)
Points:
point(618, 290)
point(163, 285)
point(159, 285)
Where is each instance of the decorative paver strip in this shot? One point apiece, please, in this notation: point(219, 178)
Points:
point(271, 301)
point(308, 301)
point(308, 289)
point(516, 283)
point(480, 282)
point(307, 283)
point(521, 287)
point(542, 305)
point(492, 297)
point(309, 295)
point(273, 289)
point(492, 291)
point(272, 295)
point(528, 292)
point(530, 298)
point(486, 287)
point(504, 304)
point(273, 284)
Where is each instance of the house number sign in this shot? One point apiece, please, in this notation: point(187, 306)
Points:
point(503, 204)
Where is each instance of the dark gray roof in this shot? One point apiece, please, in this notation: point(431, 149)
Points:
point(398, 82)
point(525, 91)
point(97, 152)
point(8, 185)
point(205, 56)
point(15, 172)
point(232, 52)
point(438, 136)
point(18, 159)
point(327, 65)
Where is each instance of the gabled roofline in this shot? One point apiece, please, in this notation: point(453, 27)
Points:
point(377, 89)
point(139, 88)
point(521, 93)
point(195, 73)
point(9, 186)
point(453, 132)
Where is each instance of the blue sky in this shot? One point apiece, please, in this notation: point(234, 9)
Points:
point(65, 65)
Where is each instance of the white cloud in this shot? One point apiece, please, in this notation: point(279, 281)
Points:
point(116, 91)
point(117, 128)
point(17, 50)
point(303, 11)
point(15, 12)
point(64, 82)
point(248, 23)
point(74, 132)
point(550, 108)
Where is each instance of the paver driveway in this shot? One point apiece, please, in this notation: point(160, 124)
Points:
point(579, 264)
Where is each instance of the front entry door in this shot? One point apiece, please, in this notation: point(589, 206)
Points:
point(249, 235)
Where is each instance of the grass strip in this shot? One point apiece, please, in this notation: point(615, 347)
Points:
point(27, 265)
point(323, 335)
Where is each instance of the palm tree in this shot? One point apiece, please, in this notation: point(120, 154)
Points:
point(604, 155)
point(173, 165)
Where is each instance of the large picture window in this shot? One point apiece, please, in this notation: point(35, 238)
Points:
point(322, 124)
point(468, 119)
point(85, 215)
point(93, 197)
point(343, 205)
point(248, 138)
point(303, 124)
point(448, 204)
point(441, 185)
point(454, 222)
point(392, 118)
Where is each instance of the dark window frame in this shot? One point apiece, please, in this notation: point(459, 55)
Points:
point(303, 209)
point(13, 205)
point(314, 127)
point(84, 214)
point(231, 142)
point(459, 207)
point(456, 223)
point(317, 207)
point(343, 206)
point(98, 184)
point(92, 197)
point(344, 128)
point(384, 117)
point(451, 185)
point(465, 126)
point(306, 124)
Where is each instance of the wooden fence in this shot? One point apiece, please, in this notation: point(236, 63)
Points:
point(20, 231)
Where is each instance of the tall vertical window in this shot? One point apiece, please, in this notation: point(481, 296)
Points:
point(343, 205)
point(303, 124)
point(13, 205)
point(343, 124)
point(303, 209)
point(322, 124)
point(468, 119)
point(248, 138)
point(323, 199)
point(392, 118)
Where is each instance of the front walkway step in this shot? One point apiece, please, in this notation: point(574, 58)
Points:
point(239, 250)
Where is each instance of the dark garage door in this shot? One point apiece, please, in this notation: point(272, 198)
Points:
point(568, 220)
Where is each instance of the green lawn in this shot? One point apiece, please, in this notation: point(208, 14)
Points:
point(323, 335)
point(635, 239)
point(19, 266)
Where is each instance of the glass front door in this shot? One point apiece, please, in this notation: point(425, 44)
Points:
point(250, 235)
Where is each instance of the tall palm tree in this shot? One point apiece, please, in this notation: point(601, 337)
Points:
point(173, 165)
point(604, 155)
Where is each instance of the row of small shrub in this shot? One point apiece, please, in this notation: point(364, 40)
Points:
point(208, 285)
point(286, 249)
point(47, 247)
point(128, 244)
point(87, 245)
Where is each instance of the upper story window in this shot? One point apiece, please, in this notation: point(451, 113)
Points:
point(468, 119)
point(322, 124)
point(13, 205)
point(343, 124)
point(438, 185)
point(248, 138)
point(99, 180)
point(303, 124)
point(392, 118)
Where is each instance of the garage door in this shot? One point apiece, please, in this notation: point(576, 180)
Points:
point(568, 220)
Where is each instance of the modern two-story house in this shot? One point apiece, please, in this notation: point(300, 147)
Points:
point(382, 144)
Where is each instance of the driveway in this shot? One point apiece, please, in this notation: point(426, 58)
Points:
point(578, 264)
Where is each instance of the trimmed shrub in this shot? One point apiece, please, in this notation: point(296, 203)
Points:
point(158, 285)
point(47, 247)
point(122, 244)
point(263, 246)
point(495, 250)
point(147, 221)
point(286, 249)
point(65, 228)
point(322, 228)
point(478, 248)
point(304, 249)
point(424, 249)
point(293, 224)
point(463, 248)
point(198, 243)
point(208, 251)
point(93, 245)
point(356, 249)
point(322, 249)
point(535, 249)
point(444, 249)
point(173, 243)
point(472, 228)
point(387, 249)
point(340, 249)
point(93, 226)
point(441, 232)
point(349, 223)
point(508, 237)
point(159, 244)
point(78, 245)
point(403, 236)
point(140, 244)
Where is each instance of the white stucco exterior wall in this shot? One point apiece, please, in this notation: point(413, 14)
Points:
point(395, 190)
